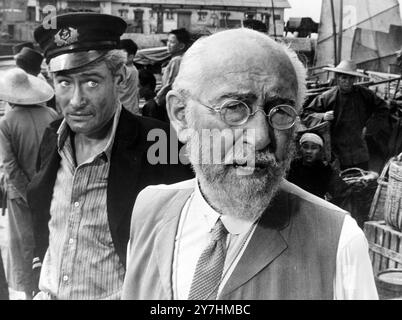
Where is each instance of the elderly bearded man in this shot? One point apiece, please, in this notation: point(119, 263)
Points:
point(235, 232)
point(92, 164)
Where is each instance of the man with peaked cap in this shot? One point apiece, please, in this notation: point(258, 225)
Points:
point(21, 131)
point(350, 108)
point(129, 94)
point(92, 164)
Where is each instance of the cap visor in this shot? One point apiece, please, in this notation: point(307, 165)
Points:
point(74, 60)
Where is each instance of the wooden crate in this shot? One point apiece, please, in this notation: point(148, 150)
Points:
point(385, 245)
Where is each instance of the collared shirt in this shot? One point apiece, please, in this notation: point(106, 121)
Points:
point(197, 221)
point(353, 278)
point(81, 261)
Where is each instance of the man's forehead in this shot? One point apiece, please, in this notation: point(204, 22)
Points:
point(266, 81)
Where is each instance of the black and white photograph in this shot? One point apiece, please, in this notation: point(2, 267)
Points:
point(172, 153)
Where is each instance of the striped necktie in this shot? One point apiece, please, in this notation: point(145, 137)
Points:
point(208, 271)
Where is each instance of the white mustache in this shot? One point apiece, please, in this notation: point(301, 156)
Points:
point(262, 160)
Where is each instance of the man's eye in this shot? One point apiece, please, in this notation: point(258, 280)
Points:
point(64, 83)
point(92, 84)
point(236, 106)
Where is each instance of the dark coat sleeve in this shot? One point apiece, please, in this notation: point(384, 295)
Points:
point(313, 114)
point(379, 125)
point(39, 191)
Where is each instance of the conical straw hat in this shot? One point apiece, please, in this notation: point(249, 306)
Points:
point(347, 67)
point(19, 87)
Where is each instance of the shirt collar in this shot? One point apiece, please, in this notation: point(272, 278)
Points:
point(234, 225)
point(64, 131)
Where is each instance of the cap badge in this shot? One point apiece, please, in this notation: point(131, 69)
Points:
point(66, 36)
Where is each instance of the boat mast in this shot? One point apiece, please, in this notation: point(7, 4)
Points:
point(334, 33)
point(273, 17)
point(340, 31)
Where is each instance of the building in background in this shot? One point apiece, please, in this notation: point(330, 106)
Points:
point(151, 16)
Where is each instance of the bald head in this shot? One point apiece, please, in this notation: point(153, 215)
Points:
point(217, 60)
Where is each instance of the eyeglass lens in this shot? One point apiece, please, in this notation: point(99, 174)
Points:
point(237, 112)
point(282, 117)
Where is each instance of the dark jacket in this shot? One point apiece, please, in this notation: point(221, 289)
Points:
point(318, 178)
point(129, 173)
point(364, 109)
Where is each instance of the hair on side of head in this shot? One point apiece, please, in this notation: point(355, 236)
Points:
point(184, 79)
point(129, 46)
point(301, 75)
point(182, 35)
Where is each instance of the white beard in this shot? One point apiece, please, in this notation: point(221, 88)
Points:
point(242, 196)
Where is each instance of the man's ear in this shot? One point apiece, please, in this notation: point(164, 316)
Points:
point(175, 106)
point(121, 74)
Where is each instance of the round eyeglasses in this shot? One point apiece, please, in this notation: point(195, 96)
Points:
point(235, 112)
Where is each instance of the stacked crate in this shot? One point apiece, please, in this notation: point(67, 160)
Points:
point(385, 246)
point(385, 237)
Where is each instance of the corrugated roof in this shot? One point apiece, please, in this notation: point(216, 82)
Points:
point(225, 3)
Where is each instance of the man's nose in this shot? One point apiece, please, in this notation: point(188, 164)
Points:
point(259, 123)
point(77, 99)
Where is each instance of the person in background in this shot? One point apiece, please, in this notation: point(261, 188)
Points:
point(21, 131)
point(177, 44)
point(30, 61)
point(239, 230)
point(147, 92)
point(129, 95)
point(4, 294)
point(18, 47)
point(311, 173)
point(355, 113)
point(92, 164)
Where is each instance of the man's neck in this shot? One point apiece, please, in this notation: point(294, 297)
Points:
point(87, 146)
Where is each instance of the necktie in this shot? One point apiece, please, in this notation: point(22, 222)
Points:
point(208, 271)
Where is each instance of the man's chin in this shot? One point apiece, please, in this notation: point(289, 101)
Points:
point(243, 195)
